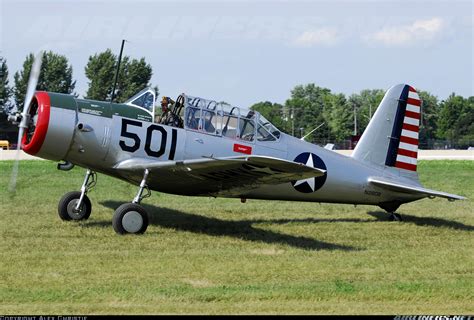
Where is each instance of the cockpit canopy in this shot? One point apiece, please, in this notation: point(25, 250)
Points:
point(209, 116)
point(222, 119)
point(144, 99)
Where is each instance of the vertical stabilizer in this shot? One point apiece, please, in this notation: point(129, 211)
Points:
point(391, 138)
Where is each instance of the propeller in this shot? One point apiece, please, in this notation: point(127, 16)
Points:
point(25, 119)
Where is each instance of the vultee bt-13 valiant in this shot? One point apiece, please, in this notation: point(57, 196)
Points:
point(199, 147)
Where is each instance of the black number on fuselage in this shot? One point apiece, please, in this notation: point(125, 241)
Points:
point(174, 138)
point(149, 135)
point(126, 134)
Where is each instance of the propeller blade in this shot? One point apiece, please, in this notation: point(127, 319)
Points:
point(25, 115)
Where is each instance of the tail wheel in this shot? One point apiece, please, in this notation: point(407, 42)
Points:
point(395, 217)
point(130, 218)
point(67, 207)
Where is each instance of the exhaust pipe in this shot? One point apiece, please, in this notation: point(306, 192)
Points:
point(66, 166)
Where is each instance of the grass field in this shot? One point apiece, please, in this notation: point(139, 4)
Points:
point(218, 256)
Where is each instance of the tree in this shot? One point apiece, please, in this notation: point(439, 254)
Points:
point(273, 112)
point(338, 115)
point(100, 70)
point(5, 90)
point(8, 131)
point(455, 121)
point(134, 75)
point(450, 110)
point(365, 103)
point(465, 125)
point(429, 118)
point(55, 76)
point(306, 105)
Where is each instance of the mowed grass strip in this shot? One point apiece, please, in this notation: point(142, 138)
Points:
point(205, 255)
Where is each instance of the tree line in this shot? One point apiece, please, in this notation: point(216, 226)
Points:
point(56, 75)
point(336, 116)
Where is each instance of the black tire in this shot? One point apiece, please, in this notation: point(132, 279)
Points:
point(67, 204)
point(127, 214)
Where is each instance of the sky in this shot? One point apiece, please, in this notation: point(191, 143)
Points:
point(243, 52)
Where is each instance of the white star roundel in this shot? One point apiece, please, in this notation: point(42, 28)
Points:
point(311, 184)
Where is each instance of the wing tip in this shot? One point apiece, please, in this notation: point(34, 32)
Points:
point(456, 197)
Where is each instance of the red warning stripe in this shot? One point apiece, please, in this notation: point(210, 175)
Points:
point(411, 89)
point(408, 153)
point(410, 127)
point(414, 102)
point(412, 114)
point(406, 166)
point(409, 140)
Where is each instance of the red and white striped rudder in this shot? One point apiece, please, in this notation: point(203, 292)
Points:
point(408, 147)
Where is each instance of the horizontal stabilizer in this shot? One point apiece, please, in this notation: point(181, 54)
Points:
point(415, 190)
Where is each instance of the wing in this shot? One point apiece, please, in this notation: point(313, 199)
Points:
point(215, 176)
point(415, 190)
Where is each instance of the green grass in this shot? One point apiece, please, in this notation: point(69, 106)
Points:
point(204, 255)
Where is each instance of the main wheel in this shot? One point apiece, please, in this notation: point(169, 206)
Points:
point(130, 218)
point(67, 207)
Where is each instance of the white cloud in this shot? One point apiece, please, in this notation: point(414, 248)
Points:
point(418, 31)
point(317, 37)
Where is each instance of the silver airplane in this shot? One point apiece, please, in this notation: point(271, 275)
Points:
point(204, 148)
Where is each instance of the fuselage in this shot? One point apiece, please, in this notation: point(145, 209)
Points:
point(99, 135)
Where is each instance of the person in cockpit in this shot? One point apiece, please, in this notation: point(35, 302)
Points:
point(166, 105)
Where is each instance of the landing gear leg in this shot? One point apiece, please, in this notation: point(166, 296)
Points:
point(75, 205)
point(132, 217)
point(139, 197)
point(391, 207)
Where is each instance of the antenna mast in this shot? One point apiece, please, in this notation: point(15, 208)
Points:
point(117, 72)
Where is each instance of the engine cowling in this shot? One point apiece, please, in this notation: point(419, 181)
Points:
point(51, 131)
